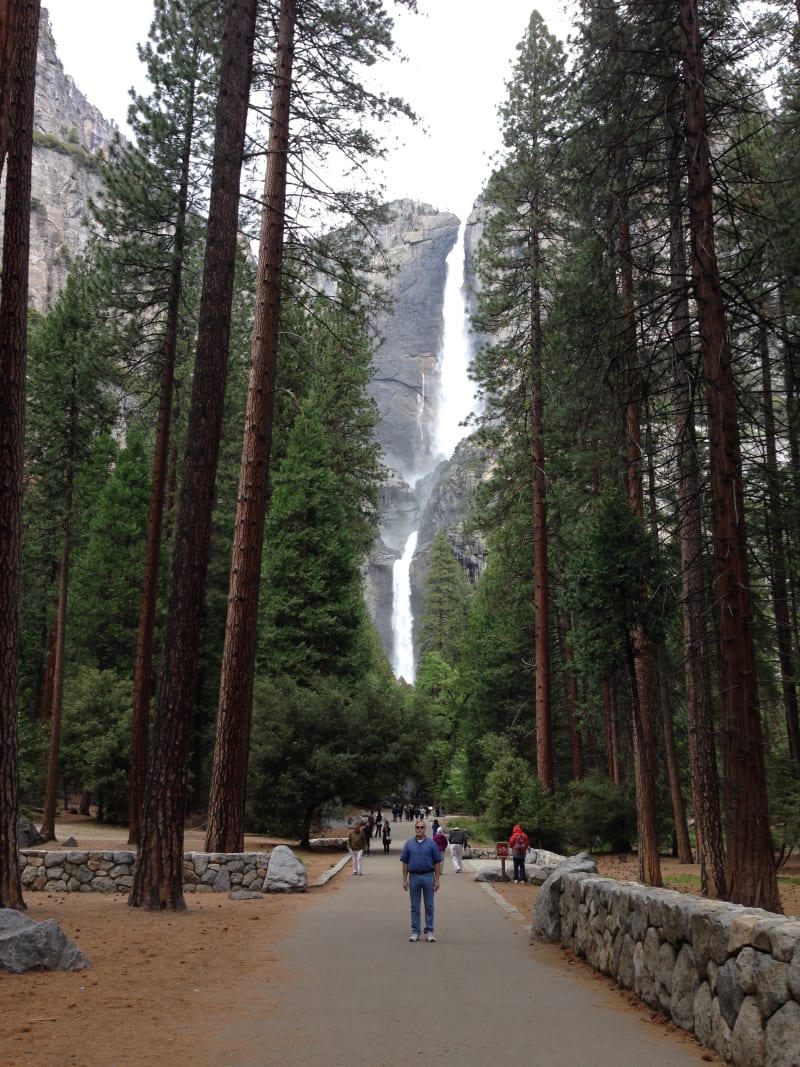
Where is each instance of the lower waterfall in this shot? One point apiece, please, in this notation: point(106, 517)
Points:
point(402, 618)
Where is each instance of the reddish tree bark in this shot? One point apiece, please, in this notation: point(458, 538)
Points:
point(750, 870)
point(16, 123)
point(158, 879)
point(232, 745)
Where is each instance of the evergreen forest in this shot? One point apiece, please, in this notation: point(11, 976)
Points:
point(189, 476)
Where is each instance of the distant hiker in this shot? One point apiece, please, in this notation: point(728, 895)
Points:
point(387, 835)
point(356, 842)
point(457, 839)
point(440, 840)
point(369, 830)
point(519, 850)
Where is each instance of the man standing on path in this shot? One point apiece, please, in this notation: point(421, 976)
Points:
point(422, 863)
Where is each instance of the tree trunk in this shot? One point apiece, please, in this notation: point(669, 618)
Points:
point(158, 879)
point(683, 843)
point(143, 673)
point(17, 83)
point(709, 842)
point(750, 869)
point(779, 584)
point(611, 732)
point(644, 746)
point(232, 746)
point(47, 831)
point(545, 760)
point(571, 697)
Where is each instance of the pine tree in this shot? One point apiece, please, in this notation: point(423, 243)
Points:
point(523, 196)
point(158, 882)
point(70, 405)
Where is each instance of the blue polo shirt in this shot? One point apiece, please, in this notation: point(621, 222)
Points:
point(421, 856)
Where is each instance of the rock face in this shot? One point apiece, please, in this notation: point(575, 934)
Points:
point(415, 244)
point(68, 134)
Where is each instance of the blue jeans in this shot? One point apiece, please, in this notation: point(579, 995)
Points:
point(421, 885)
point(519, 868)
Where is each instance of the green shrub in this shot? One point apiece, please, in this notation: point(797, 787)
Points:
point(513, 794)
point(601, 814)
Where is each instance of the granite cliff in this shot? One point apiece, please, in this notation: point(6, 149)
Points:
point(69, 133)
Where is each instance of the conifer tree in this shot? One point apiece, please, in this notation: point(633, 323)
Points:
point(158, 882)
point(749, 865)
point(70, 405)
point(523, 194)
point(147, 250)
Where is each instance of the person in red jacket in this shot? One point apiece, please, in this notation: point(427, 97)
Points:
point(519, 844)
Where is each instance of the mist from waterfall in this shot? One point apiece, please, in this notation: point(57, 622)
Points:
point(454, 403)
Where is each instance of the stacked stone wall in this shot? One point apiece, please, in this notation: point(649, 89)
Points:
point(727, 973)
point(112, 871)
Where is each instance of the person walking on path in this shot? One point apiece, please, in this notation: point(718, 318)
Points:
point(457, 840)
point(422, 864)
point(440, 840)
point(519, 850)
point(387, 835)
point(368, 826)
point(356, 843)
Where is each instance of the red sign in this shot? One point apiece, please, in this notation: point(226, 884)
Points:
point(501, 848)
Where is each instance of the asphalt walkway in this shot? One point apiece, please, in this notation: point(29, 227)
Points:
point(356, 993)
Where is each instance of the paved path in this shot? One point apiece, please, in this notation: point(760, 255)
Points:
point(356, 993)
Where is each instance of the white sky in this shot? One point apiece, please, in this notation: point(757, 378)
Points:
point(460, 56)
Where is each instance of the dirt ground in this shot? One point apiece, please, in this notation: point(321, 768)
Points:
point(172, 979)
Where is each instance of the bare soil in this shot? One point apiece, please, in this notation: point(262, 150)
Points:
point(171, 980)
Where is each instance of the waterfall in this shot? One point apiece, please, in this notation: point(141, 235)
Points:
point(455, 388)
point(454, 403)
point(402, 619)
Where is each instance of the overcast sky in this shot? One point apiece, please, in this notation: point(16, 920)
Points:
point(459, 52)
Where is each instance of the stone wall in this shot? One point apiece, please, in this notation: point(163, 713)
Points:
point(727, 973)
point(112, 871)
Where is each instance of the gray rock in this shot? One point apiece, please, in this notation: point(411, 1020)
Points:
point(749, 1045)
point(285, 872)
point(26, 945)
point(28, 834)
point(783, 1037)
point(729, 992)
point(794, 973)
point(546, 919)
point(244, 894)
point(772, 984)
point(685, 984)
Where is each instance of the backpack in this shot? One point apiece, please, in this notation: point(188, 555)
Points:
point(520, 844)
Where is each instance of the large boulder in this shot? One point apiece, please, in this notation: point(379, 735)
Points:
point(26, 945)
point(546, 920)
point(28, 834)
point(285, 872)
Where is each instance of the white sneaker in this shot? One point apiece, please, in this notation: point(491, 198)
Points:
point(414, 937)
point(429, 936)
